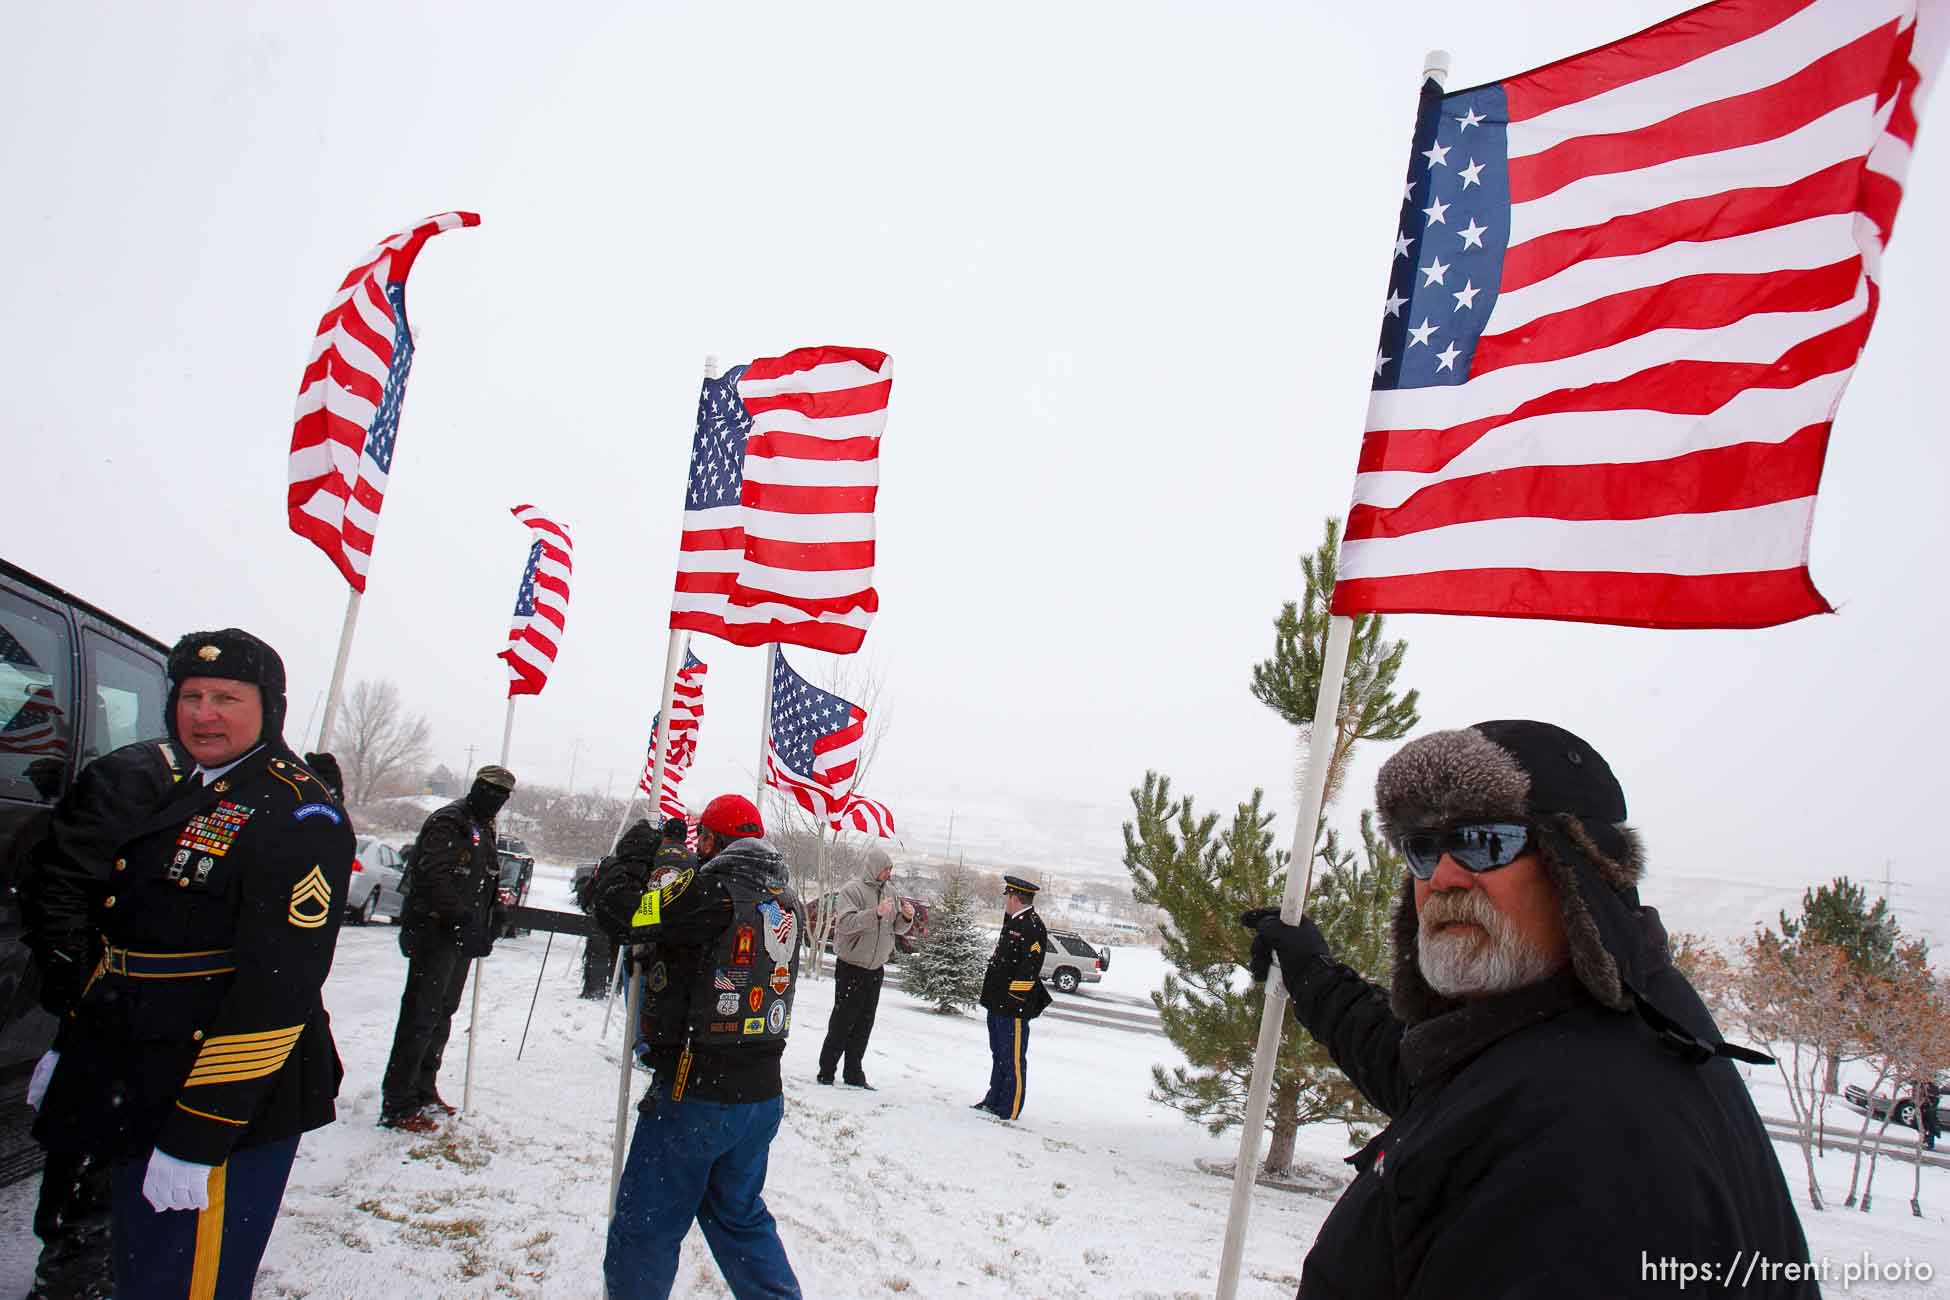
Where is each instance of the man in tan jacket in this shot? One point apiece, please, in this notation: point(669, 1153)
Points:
point(866, 921)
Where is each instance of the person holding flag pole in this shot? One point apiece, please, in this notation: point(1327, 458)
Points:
point(1628, 292)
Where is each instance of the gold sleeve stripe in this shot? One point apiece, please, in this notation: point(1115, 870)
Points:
point(212, 1060)
point(1021, 986)
point(205, 1075)
point(204, 1114)
point(289, 1035)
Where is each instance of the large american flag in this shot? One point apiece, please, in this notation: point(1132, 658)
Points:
point(813, 750)
point(686, 713)
point(349, 402)
point(541, 604)
point(778, 541)
point(37, 723)
point(1629, 289)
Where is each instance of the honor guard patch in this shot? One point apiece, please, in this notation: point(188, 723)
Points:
point(324, 810)
point(311, 901)
point(775, 1018)
point(756, 1025)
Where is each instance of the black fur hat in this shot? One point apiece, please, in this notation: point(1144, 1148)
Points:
point(1544, 776)
point(234, 655)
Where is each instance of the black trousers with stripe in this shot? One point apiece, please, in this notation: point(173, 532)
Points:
point(199, 1254)
point(1009, 1068)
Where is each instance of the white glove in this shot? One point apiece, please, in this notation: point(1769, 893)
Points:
point(43, 1071)
point(172, 1184)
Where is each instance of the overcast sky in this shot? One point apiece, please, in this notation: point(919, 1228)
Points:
point(1129, 262)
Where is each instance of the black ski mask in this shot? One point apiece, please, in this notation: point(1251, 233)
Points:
point(492, 786)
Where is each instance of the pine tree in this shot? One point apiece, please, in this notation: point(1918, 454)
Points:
point(1838, 915)
point(1289, 682)
point(947, 969)
point(1203, 877)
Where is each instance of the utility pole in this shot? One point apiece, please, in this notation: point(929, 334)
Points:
point(573, 753)
point(950, 851)
point(467, 771)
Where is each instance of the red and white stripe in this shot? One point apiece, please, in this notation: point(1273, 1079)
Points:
point(686, 715)
point(824, 791)
point(793, 561)
point(336, 488)
point(1698, 217)
point(868, 815)
point(533, 641)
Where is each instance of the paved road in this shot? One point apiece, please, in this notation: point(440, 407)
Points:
point(1892, 1146)
point(1109, 1010)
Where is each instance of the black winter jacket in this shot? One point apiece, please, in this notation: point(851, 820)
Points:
point(1541, 1146)
point(455, 874)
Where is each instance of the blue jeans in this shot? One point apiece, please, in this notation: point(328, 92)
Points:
point(1009, 1071)
point(703, 1161)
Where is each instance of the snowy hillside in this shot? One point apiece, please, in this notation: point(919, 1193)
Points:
point(1094, 1193)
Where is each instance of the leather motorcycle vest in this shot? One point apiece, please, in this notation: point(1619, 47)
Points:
point(741, 993)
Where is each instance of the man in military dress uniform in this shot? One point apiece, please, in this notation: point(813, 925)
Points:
point(201, 1050)
point(446, 923)
point(1013, 992)
point(720, 966)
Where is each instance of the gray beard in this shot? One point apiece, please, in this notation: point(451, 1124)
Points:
point(1462, 966)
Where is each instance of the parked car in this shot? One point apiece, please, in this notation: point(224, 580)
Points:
point(1072, 960)
point(1878, 1105)
point(75, 683)
point(517, 873)
point(375, 888)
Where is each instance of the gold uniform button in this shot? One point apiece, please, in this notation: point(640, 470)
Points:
point(109, 901)
point(121, 864)
point(182, 882)
point(196, 1036)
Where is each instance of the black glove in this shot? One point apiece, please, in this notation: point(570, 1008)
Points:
point(409, 938)
point(476, 939)
point(64, 969)
point(1302, 949)
point(326, 768)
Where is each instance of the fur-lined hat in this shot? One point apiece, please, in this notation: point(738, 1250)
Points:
point(1549, 779)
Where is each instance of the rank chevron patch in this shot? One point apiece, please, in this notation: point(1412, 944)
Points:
point(314, 891)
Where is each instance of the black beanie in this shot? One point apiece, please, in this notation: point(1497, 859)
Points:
point(235, 655)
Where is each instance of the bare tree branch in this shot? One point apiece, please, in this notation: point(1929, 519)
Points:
point(381, 749)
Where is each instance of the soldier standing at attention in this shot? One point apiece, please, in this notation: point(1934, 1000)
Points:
point(200, 1050)
point(446, 923)
point(1013, 992)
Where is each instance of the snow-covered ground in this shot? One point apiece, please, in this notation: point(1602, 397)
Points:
point(1095, 1192)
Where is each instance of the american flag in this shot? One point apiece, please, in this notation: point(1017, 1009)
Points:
point(541, 604)
point(687, 711)
point(778, 541)
point(37, 724)
point(1628, 291)
point(864, 814)
point(349, 402)
point(813, 750)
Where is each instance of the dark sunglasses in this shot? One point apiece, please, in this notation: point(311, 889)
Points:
point(1476, 846)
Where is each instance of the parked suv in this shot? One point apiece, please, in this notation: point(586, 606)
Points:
point(1071, 960)
point(75, 683)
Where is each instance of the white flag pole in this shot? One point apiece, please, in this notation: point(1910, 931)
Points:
point(338, 672)
point(474, 1010)
point(673, 660)
point(1323, 732)
point(765, 723)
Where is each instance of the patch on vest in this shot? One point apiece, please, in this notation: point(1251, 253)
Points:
point(743, 946)
point(659, 978)
point(781, 980)
point(727, 1004)
point(781, 930)
point(311, 901)
point(756, 999)
point(755, 1025)
point(775, 1018)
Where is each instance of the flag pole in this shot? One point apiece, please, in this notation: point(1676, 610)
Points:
point(1322, 733)
point(474, 1008)
point(338, 672)
point(1272, 1014)
point(765, 723)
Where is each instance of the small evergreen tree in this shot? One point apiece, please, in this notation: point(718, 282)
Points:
point(1203, 877)
point(947, 968)
point(1838, 915)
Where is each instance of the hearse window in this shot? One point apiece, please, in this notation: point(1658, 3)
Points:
point(36, 731)
point(129, 695)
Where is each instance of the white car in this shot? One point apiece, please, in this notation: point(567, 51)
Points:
point(375, 888)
